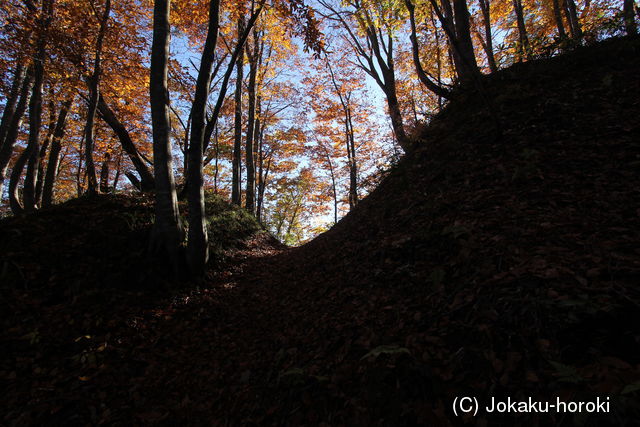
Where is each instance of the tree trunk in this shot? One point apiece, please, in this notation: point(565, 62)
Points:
point(333, 185)
point(485, 7)
point(457, 28)
point(438, 58)
point(79, 174)
point(217, 158)
point(11, 103)
point(43, 152)
point(127, 143)
point(251, 122)
point(353, 164)
point(415, 49)
point(524, 50)
point(198, 244)
point(557, 15)
point(30, 154)
point(54, 154)
point(6, 149)
point(630, 18)
point(396, 118)
point(167, 233)
point(260, 172)
point(572, 16)
point(463, 33)
point(116, 179)
point(94, 90)
point(104, 174)
point(236, 195)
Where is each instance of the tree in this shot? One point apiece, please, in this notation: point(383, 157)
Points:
point(94, 96)
point(14, 121)
point(630, 18)
point(167, 232)
point(236, 192)
point(455, 22)
point(371, 38)
point(30, 154)
point(54, 154)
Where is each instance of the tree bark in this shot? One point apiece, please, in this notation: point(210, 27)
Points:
point(107, 114)
point(572, 16)
point(54, 154)
point(485, 7)
point(630, 18)
point(251, 122)
point(11, 103)
point(167, 230)
point(30, 153)
point(415, 49)
point(345, 102)
point(94, 89)
point(198, 243)
point(236, 179)
point(14, 126)
point(351, 156)
point(557, 15)
point(104, 174)
point(43, 152)
point(455, 22)
point(524, 50)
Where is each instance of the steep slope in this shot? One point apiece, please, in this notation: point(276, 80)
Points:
point(499, 259)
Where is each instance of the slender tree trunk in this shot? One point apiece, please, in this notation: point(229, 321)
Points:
point(353, 163)
point(236, 195)
point(217, 154)
point(54, 154)
point(458, 31)
point(557, 15)
point(167, 231)
point(104, 174)
point(198, 245)
point(11, 103)
point(396, 119)
point(572, 16)
point(333, 185)
point(30, 154)
point(262, 186)
point(251, 115)
point(39, 178)
point(94, 89)
point(79, 170)
point(146, 176)
point(438, 58)
point(14, 126)
point(116, 179)
point(485, 7)
point(630, 18)
point(260, 172)
point(463, 33)
point(425, 79)
point(524, 50)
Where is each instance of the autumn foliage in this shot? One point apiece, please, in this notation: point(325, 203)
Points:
point(320, 98)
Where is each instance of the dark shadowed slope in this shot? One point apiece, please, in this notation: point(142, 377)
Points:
point(486, 264)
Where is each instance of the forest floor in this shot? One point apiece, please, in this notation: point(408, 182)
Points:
point(501, 258)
